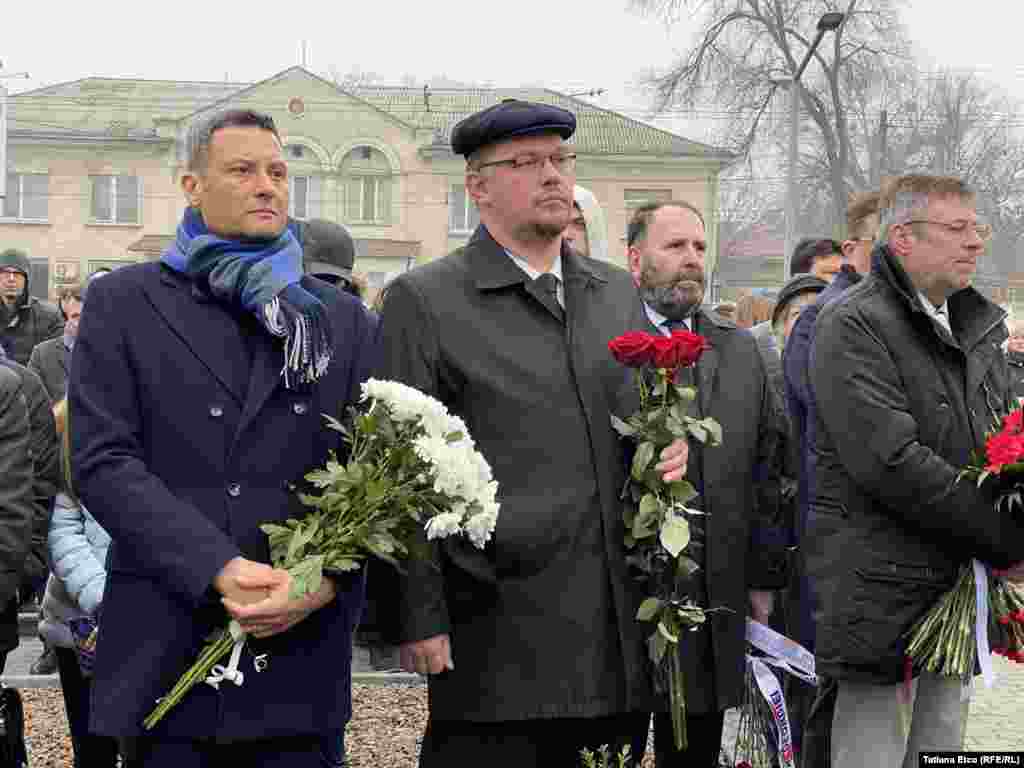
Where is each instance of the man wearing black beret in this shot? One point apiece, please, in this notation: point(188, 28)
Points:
point(532, 647)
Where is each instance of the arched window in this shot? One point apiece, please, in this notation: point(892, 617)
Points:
point(367, 179)
point(305, 195)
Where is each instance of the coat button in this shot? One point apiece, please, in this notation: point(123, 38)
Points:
point(234, 490)
point(216, 411)
point(300, 409)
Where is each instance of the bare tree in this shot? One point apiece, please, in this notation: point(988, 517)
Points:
point(743, 48)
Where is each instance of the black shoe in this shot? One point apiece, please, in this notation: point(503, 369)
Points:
point(46, 664)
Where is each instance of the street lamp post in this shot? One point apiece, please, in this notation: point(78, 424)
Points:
point(827, 23)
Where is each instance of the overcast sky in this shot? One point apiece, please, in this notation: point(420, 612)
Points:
point(569, 45)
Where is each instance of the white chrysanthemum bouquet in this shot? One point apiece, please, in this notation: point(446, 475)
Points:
point(411, 467)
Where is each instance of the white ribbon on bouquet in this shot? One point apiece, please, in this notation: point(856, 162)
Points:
point(785, 654)
point(988, 673)
point(219, 673)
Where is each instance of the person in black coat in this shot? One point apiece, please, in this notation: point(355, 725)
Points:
point(24, 320)
point(907, 375)
point(532, 646)
point(739, 543)
point(1015, 358)
point(197, 405)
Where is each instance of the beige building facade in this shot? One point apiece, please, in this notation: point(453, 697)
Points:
point(94, 167)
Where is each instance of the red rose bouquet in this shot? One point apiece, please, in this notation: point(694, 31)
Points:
point(982, 605)
point(657, 520)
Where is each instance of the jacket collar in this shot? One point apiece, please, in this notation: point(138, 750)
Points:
point(492, 269)
point(972, 316)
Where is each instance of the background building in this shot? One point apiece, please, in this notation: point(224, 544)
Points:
point(94, 167)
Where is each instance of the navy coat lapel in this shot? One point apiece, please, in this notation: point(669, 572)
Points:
point(206, 328)
point(265, 376)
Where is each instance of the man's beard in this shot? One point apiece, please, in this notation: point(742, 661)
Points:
point(542, 230)
point(676, 300)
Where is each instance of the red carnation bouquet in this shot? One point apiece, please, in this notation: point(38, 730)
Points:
point(657, 521)
point(983, 610)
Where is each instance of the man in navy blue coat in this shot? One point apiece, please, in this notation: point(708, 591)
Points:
point(197, 391)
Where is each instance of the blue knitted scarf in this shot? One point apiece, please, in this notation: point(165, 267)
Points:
point(262, 277)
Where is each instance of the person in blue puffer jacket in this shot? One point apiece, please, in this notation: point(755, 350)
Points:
point(74, 593)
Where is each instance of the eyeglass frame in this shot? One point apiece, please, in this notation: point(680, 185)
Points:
point(982, 229)
point(535, 163)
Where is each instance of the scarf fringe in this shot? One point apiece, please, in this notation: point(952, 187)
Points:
point(307, 345)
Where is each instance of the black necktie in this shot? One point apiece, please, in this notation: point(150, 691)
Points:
point(548, 284)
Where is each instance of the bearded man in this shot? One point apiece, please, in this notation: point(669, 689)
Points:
point(737, 542)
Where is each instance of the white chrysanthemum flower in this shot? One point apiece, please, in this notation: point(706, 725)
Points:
point(480, 526)
point(444, 525)
point(457, 469)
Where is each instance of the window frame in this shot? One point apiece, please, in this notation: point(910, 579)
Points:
point(115, 220)
point(657, 196)
point(378, 206)
point(20, 217)
point(292, 180)
point(468, 207)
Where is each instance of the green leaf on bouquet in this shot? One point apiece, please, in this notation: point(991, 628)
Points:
point(628, 541)
point(686, 394)
point(691, 616)
point(682, 491)
point(622, 427)
point(646, 517)
point(675, 535)
point(345, 564)
point(686, 567)
point(649, 609)
point(642, 458)
point(697, 430)
point(675, 426)
point(667, 632)
point(714, 430)
point(656, 647)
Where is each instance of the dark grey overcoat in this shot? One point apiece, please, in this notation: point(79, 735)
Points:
point(49, 360)
point(542, 623)
point(739, 483)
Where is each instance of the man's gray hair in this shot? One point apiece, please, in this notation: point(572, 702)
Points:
point(200, 133)
point(907, 197)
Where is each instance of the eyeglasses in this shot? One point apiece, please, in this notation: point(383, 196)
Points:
point(564, 163)
point(960, 227)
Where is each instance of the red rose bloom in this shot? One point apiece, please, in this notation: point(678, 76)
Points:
point(634, 349)
point(691, 346)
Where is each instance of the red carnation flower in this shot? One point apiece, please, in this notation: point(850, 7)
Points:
point(1014, 422)
point(634, 349)
point(1002, 449)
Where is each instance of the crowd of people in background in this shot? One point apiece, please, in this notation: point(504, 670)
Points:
point(157, 415)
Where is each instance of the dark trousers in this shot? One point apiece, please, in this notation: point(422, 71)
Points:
point(90, 750)
point(294, 752)
point(703, 741)
point(524, 743)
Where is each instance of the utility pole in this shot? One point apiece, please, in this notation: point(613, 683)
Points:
point(829, 22)
point(883, 148)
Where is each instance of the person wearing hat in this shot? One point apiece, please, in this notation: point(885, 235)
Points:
point(532, 646)
point(24, 320)
point(329, 253)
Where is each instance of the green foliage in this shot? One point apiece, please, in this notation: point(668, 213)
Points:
point(675, 535)
point(642, 459)
point(649, 609)
point(603, 758)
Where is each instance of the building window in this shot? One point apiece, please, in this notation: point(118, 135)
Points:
point(463, 216)
point(39, 278)
point(634, 198)
point(298, 197)
point(28, 197)
point(368, 183)
point(116, 200)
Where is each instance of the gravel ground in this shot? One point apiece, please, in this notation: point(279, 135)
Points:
point(389, 720)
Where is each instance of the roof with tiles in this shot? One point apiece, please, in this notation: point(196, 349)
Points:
point(599, 131)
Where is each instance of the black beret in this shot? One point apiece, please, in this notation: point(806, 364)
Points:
point(509, 118)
